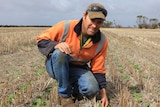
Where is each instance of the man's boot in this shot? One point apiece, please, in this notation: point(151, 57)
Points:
point(67, 102)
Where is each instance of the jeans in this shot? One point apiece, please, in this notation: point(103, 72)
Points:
point(71, 79)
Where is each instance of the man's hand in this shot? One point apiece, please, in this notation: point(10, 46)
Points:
point(63, 47)
point(104, 99)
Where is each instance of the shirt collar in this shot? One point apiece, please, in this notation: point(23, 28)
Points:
point(95, 38)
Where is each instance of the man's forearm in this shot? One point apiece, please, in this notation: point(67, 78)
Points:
point(103, 92)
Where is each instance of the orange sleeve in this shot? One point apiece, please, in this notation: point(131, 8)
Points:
point(54, 33)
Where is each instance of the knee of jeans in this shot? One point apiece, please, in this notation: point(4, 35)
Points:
point(59, 56)
point(90, 89)
point(49, 69)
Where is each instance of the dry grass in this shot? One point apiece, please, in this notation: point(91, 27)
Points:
point(133, 75)
point(133, 66)
point(15, 39)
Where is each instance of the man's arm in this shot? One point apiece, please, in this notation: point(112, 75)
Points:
point(101, 79)
point(104, 99)
point(46, 46)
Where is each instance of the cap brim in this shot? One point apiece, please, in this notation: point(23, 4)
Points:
point(94, 15)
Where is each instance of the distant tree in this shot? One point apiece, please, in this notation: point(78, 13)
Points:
point(116, 25)
point(107, 24)
point(153, 23)
point(145, 24)
point(139, 19)
point(158, 24)
point(142, 21)
point(145, 19)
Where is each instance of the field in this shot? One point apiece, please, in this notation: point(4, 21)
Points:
point(132, 63)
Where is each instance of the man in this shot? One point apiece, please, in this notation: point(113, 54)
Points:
point(68, 56)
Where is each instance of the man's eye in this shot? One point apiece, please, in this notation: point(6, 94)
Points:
point(93, 20)
point(99, 22)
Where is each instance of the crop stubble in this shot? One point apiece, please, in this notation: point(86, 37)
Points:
point(133, 71)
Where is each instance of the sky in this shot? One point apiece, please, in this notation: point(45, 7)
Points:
point(49, 12)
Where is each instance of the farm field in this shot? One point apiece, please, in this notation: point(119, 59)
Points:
point(133, 69)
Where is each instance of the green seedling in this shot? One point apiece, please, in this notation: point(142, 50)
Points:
point(152, 69)
point(126, 77)
point(136, 67)
point(121, 70)
point(147, 105)
point(10, 98)
point(40, 72)
point(137, 97)
point(38, 102)
point(17, 75)
point(23, 86)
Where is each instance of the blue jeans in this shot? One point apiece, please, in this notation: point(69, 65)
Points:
point(71, 79)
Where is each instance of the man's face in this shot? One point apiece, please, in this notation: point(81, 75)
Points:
point(90, 26)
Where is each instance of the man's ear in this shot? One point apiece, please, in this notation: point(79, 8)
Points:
point(84, 15)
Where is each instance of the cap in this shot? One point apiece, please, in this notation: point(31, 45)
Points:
point(96, 10)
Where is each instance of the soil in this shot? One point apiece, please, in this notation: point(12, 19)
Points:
point(133, 72)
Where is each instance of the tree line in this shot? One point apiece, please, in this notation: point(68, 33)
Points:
point(144, 22)
point(25, 26)
point(110, 24)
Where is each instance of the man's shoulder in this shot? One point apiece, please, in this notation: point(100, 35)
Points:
point(63, 22)
point(73, 21)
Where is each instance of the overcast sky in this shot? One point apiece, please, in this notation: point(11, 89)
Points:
point(49, 12)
